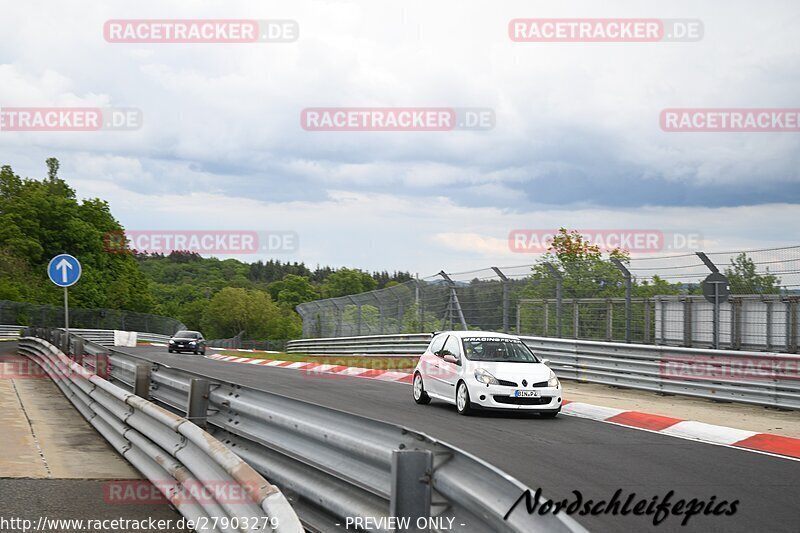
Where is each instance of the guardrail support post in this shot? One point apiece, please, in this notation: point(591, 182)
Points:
point(411, 486)
point(141, 381)
point(101, 365)
point(77, 348)
point(197, 409)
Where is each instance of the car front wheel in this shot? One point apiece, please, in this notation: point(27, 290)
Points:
point(420, 396)
point(550, 414)
point(462, 399)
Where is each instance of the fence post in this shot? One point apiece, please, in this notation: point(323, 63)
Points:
point(628, 293)
point(736, 323)
point(519, 318)
point(768, 343)
point(609, 319)
point(791, 330)
point(714, 270)
point(546, 317)
point(380, 310)
point(421, 306)
point(575, 317)
point(411, 486)
point(453, 304)
point(647, 312)
point(559, 298)
point(506, 302)
point(687, 321)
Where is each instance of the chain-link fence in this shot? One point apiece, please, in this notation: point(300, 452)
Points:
point(654, 300)
point(50, 316)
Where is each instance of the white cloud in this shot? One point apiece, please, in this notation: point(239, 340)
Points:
point(221, 122)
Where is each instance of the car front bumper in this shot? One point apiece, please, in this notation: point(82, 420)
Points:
point(501, 397)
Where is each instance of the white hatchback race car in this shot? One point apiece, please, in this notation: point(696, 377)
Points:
point(485, 370)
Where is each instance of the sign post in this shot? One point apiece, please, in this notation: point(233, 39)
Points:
point(65, 271)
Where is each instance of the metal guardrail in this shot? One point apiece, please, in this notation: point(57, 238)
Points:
point(10, 332)
point(401, 344)
point(757, 378)
point(172, 452)
point(105, 337)
point(337, 466)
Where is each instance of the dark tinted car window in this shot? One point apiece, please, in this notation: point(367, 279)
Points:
point(187, 335)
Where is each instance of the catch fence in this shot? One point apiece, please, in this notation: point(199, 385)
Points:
point(648, 300)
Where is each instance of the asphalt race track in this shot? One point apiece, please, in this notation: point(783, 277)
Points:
point(559, 455)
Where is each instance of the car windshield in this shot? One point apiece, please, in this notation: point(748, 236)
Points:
point(498, 349)
point(187, 335)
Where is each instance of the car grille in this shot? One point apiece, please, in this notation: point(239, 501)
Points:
point(511, 400)
point(515, 384)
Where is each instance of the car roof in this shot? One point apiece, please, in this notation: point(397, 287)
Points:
point(461, 334)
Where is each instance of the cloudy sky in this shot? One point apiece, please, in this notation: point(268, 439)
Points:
point(576, 141)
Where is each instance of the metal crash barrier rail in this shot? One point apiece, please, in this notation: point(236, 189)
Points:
point(186, 464)
point(757, 378)
point(336, 467)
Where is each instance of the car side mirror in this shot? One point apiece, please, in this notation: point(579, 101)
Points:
point(546, 362)
point(450, 359)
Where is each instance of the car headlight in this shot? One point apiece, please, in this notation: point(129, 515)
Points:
point(485, 377)
point(171, 341)
point(552, 381)
point(192, 343)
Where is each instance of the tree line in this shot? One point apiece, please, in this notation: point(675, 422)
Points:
point(40, 218)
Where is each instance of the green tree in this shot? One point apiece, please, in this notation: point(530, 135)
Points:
point(585, 272)
point(40, 219)
point(346, 281)
point(293, 290)
point(744, 279)
point(233, 310)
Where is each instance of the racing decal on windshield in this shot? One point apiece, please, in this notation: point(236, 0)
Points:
point(490, 339)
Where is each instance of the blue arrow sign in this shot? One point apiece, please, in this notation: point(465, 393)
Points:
point(64, 270)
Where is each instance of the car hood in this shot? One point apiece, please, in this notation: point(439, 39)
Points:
point(533, 372)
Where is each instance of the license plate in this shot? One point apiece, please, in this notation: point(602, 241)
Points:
point(526, 393)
